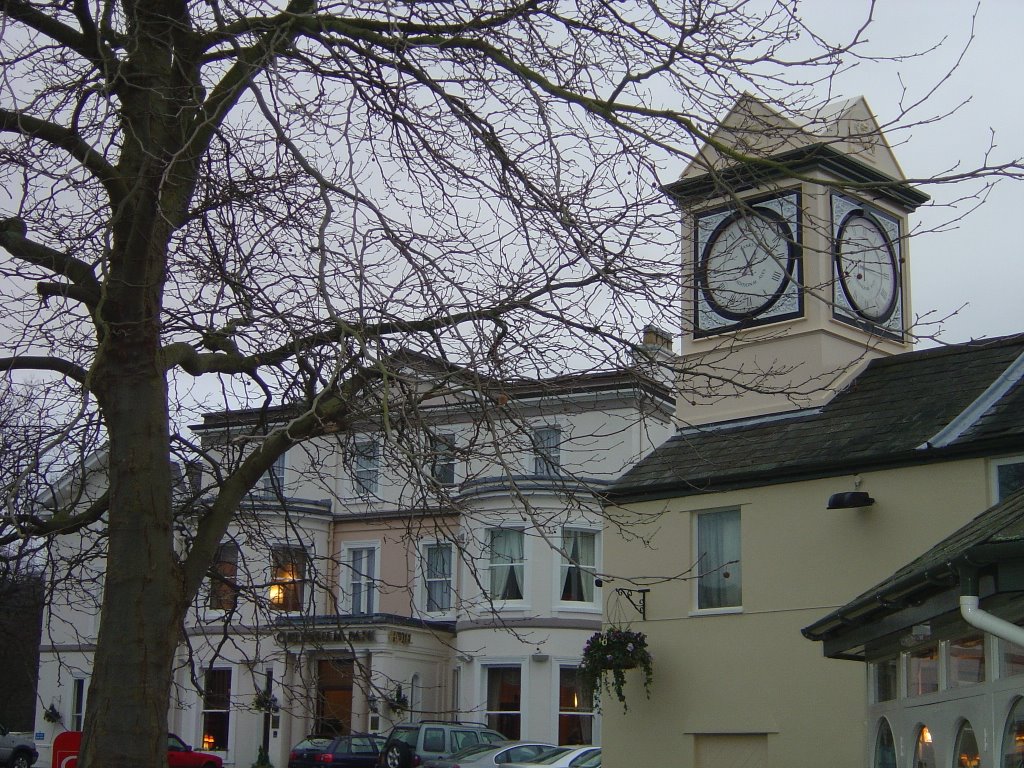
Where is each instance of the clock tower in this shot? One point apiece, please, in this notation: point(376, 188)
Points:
point(795, 259)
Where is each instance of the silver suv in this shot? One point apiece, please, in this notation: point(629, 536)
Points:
point(410, 744)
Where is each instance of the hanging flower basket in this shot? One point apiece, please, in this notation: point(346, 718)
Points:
point(606, 657)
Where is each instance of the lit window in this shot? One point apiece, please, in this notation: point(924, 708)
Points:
point(967, 661)
point(547, 445)
point(504, 699)
point(442, 459)
point(924, 752)
point(967, 753)
point(366, 466)
point(223, 584)
point(923, 671)
point(575, 708)
point(885, 747)
point(1013, 736)
point(718, 560)
point(579, 570)
point(437, 581)
point(288, 574)
point(216, 709)
point(507, 564)
point(362, 569)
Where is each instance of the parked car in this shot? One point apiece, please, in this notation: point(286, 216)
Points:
point(358, 750)
point(17, 750)
point(181, 755)
point(574, 757)
point(305, 753)
point(490, 755)
point(409, 745)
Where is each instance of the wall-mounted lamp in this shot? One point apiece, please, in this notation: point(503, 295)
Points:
point(850, 500)
point(465, 658)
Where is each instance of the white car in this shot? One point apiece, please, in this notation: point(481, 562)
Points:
point(576, 757)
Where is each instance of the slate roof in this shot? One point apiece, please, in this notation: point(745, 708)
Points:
point(994, 536)
point(890, 415)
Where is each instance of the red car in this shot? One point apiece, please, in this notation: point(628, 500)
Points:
point(181, 755)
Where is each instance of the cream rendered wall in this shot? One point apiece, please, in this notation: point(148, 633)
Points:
point(752, 671)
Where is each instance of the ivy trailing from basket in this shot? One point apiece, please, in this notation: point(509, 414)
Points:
point(606, 657)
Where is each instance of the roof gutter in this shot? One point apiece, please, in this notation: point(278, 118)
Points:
point(972, 613)
point(964, 568)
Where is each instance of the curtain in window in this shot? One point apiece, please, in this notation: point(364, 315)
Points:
point(367, 466)
point(439, 577)
point(507, 564)
point(223, 586)
point(363, 566)
point(288, 572)
point(216, 709)
point(547, 444)
point(718, 544)
point(504, 700)
point(578, 570)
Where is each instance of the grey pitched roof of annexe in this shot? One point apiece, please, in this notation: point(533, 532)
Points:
point(889, 411)
point(994, 535)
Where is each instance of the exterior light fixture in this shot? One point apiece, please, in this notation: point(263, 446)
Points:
point(850, 500)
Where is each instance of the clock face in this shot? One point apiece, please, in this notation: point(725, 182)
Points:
point(746, 264)
point(866, 265)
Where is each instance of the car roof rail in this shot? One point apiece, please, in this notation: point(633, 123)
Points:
point(452, 722)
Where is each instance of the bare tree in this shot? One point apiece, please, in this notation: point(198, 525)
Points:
point(276, 198)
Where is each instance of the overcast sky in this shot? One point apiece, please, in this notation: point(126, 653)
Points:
point(978, 263)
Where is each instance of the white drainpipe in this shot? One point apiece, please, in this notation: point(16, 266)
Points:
point(986, 622)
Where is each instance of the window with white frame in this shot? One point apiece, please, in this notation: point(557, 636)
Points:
point(504, 700)
point(437, 577)
point(966, 661)
point(507, 563)
point(216, 709)
point(1008, 476)
point(719, 583)
point(78, 693)
point(361, 561)
point(287, 578)
point(923, 670)
point(442, 458)
point(885, 678)
point(579, 566)
point(272, 481)
point(223, 580)
point(575, 708)
point(366, 466)
point(547, 448)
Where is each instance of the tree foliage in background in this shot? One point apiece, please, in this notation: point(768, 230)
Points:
point(226, 203)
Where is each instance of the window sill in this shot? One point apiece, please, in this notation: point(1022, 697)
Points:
point(730, 611)
point(576, 607)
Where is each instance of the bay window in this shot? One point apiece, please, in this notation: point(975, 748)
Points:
point(507, 563)
point(579, 569)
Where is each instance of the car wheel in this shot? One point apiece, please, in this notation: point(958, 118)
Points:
point(398, 755)
point(20, 760)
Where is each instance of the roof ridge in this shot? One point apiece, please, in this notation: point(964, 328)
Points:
point(982, 404)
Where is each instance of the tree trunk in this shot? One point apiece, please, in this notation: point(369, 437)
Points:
point(143, 605)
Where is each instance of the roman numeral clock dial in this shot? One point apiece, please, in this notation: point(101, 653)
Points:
point(867, 288)
point(746, 264)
